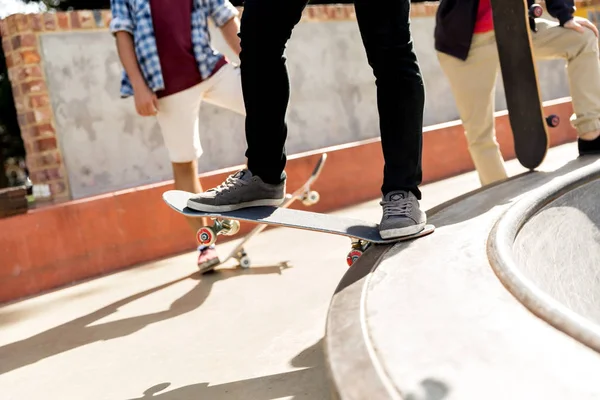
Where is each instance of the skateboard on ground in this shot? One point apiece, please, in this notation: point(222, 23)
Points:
point(513, 20)
point(304, 193)
point(361, 233)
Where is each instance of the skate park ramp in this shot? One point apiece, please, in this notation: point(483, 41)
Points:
point(502, 301)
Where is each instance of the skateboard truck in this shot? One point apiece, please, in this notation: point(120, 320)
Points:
point(359, 246)
point(308, 197)
point(207, 235)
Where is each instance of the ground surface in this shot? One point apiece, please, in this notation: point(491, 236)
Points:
point(162, 331)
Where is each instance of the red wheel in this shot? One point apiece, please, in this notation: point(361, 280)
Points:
point(536, 11)
point(353, 256)
point(205, 236)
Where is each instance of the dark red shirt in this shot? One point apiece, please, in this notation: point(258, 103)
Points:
point(485, 21)
point(172, 20)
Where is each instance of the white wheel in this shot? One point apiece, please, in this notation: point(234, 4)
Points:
point(311, 198)
point(245, 262)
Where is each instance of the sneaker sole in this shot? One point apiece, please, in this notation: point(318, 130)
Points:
point(400, 232)
point(232, 207)
point(209, 266)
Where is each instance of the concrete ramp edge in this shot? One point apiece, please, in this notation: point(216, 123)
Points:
point(502, 260)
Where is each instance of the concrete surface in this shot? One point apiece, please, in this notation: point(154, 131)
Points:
point(107, 146)
point(161, 331)
point(559, 249)
point(432, 320)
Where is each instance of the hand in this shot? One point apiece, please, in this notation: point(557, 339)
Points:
point(146, 102)
point(579, 24)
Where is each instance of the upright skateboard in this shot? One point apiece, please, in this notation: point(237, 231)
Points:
point(512, 26)
point(362, 233)
point(304, 193)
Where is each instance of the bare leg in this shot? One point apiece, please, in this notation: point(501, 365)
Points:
point(186, 178)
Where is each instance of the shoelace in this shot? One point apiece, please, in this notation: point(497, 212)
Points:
point(397, 208)
point(229, 184)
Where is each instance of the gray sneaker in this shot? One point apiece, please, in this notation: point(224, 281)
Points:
point(401, 215)
point(239, 190)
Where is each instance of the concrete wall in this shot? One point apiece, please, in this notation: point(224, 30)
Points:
point(106, 146)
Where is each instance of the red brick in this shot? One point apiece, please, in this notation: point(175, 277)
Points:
point(25, 119)
point(106, 17)
point(3, 28)
point(11, 25)
point(20, 105)
point(24, 40)
point(6, 44)
point(48, 174)
point(38, 131)
point(75, 24)
point(50, 21)
point(58, 188)
point(16, 59)
point(44, 144)
point(49, 158)
point(37, 25)
point(30, 72)
point(86, 19)
point(43, 115)
point(63, 21)
point(22, 22)
point(35, 86)
point(9, 60)
point(30, 56)
point(16, 91)
point(39, 100)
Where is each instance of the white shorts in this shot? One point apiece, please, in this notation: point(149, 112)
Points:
point(178, 113)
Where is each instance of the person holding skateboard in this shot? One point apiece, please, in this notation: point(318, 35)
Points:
point(266, 27)
point(467, 52)
point(170, 67)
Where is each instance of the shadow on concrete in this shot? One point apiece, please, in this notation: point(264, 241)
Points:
point(79, 333)
point(480, 201)
point(308, 383)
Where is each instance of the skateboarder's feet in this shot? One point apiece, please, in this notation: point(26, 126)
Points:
point(402, 215)
point(586, 147)
point(239, 190)
point(207, 258)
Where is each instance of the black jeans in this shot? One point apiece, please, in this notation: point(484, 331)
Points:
point(266, 26)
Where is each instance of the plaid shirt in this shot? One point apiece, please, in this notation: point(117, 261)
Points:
point(134, 16)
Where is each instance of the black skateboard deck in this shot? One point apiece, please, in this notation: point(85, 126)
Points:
point(512, 25)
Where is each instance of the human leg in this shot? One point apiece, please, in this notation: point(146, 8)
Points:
point(178, 120)
point(385, 32)
point(226, 89)
point(473, 84)
point(266, 26)
point(580, 50)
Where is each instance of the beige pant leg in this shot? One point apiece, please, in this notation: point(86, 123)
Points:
point(473, 85)
point(552, 41)
point(226, 89)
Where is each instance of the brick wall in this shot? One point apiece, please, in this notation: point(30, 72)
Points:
point(20, 41)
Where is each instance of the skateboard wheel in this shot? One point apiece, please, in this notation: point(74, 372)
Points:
point(536, 11)
point(206, 236)
point(553, 120)
point(231, 227)
point(245, 262)
point(353, 256)
point(311, 198)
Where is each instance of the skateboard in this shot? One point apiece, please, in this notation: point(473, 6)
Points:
point(304, 193)
point(513, 20)
point(361, 233)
